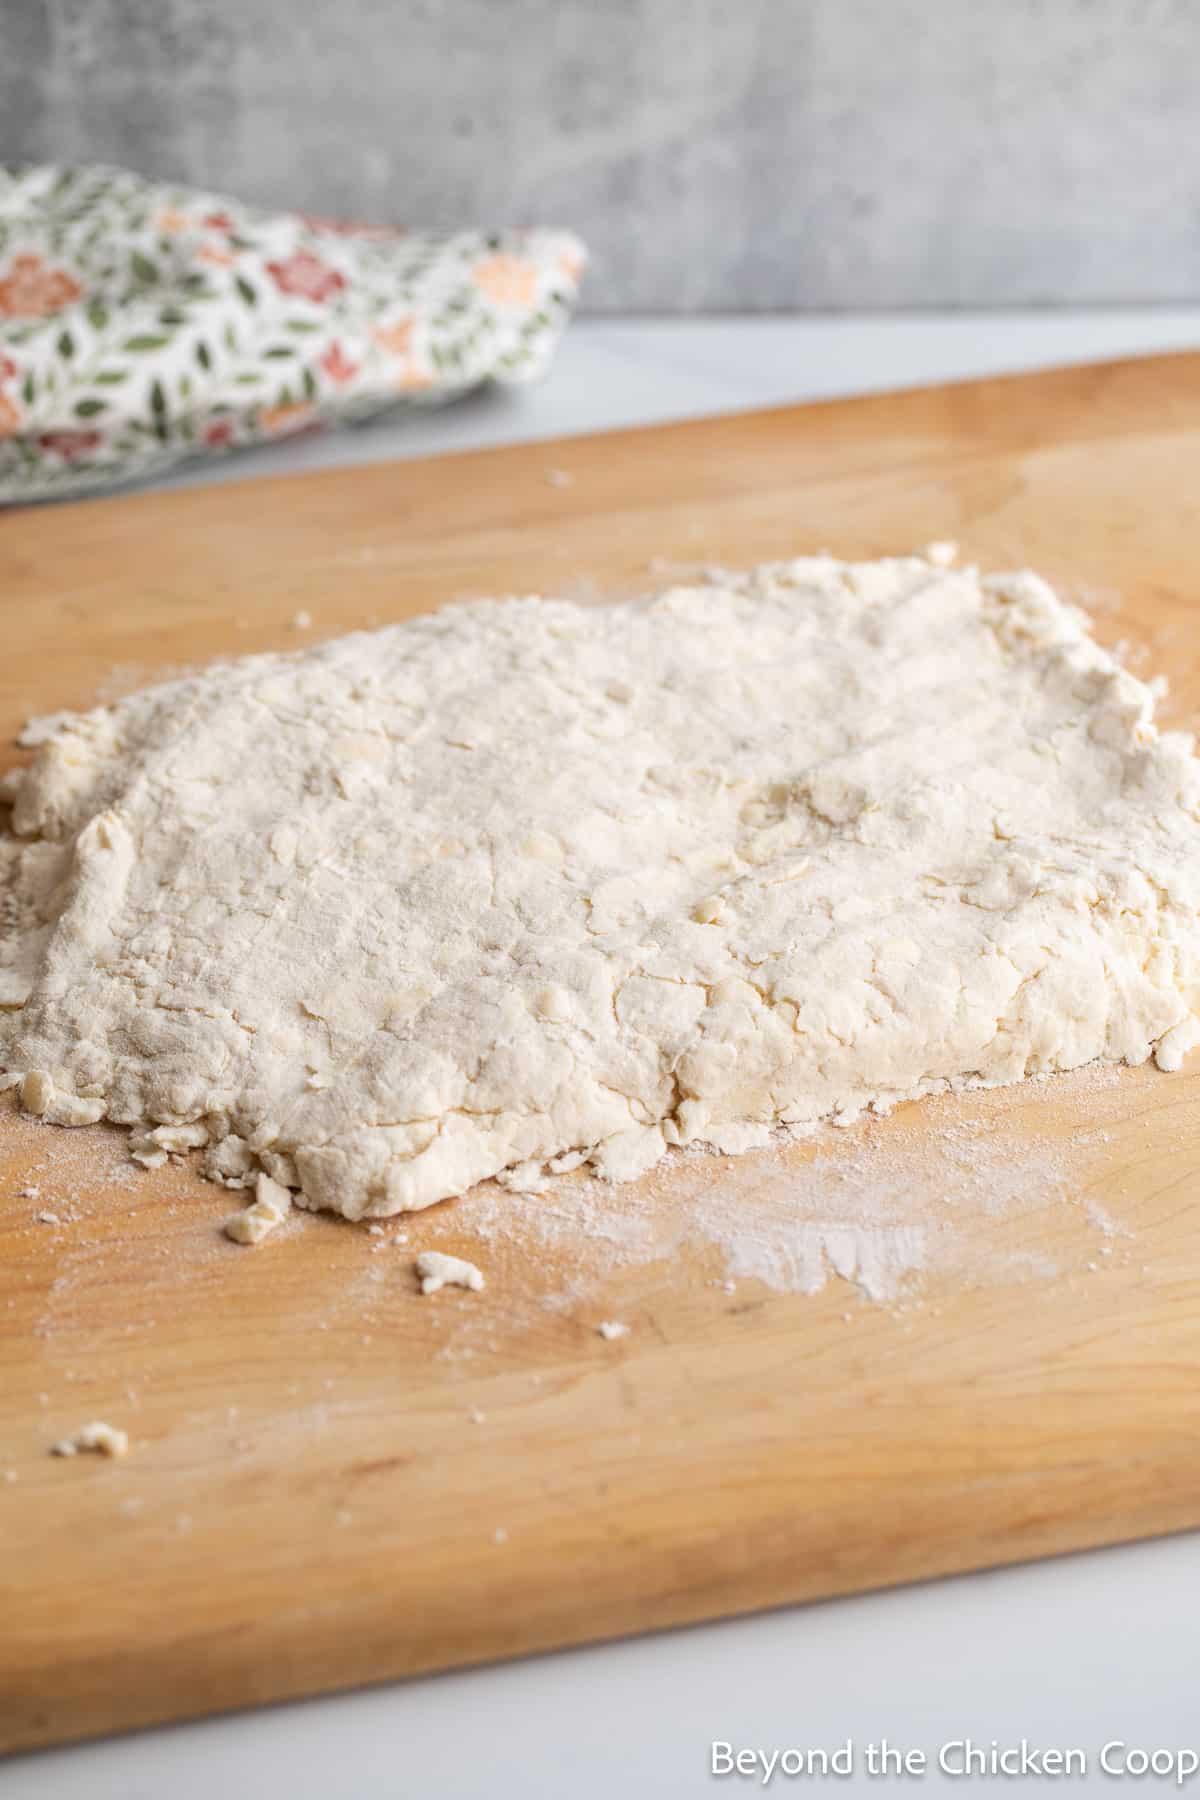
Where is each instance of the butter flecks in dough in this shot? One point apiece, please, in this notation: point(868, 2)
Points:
point(40, 1097)
point(525, 880)
point(437, 1270)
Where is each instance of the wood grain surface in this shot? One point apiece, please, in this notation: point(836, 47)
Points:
point(333, 1480)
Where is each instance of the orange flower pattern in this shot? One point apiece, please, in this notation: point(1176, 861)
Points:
point(395, 339)
point(278, 421)
point(508, 280)
point(399, 341)
point(33, 290)
point(142, 323)
point(412, 377)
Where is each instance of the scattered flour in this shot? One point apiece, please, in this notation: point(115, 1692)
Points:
point(882, 1206)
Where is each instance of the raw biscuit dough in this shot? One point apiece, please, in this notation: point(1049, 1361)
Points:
point(523, 880)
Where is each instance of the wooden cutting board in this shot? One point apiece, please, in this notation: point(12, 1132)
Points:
point(333, 1480)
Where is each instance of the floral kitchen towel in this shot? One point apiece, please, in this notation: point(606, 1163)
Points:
point(142, 323)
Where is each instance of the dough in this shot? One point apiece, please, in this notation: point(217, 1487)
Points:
point(108, 1440)
point(524, 879)
point(269, 1209)
point(436, 1271)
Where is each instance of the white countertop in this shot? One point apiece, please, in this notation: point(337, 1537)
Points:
point(1078, 1652)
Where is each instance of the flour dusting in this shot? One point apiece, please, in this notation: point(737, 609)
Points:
point(882, 1207)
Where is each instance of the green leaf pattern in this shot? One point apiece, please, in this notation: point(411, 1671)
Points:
point(142, 323)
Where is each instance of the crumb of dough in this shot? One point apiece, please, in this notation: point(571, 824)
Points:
point(941, 553)
point(570, 1159)
point(231, 1162)
point(144, 1151)
point(559, 478)
point(178, 1138)
point(439, 1271)
point(612, 1328)
point(302, 620)
point(270, 1208)
point(48, 1218)
point(107, 1440)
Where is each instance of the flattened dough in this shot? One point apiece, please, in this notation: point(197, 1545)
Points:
point(524, 878)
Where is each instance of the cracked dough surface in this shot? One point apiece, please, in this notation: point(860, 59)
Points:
point(523, 878)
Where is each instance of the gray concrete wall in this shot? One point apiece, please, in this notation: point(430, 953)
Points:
point(715, 153)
